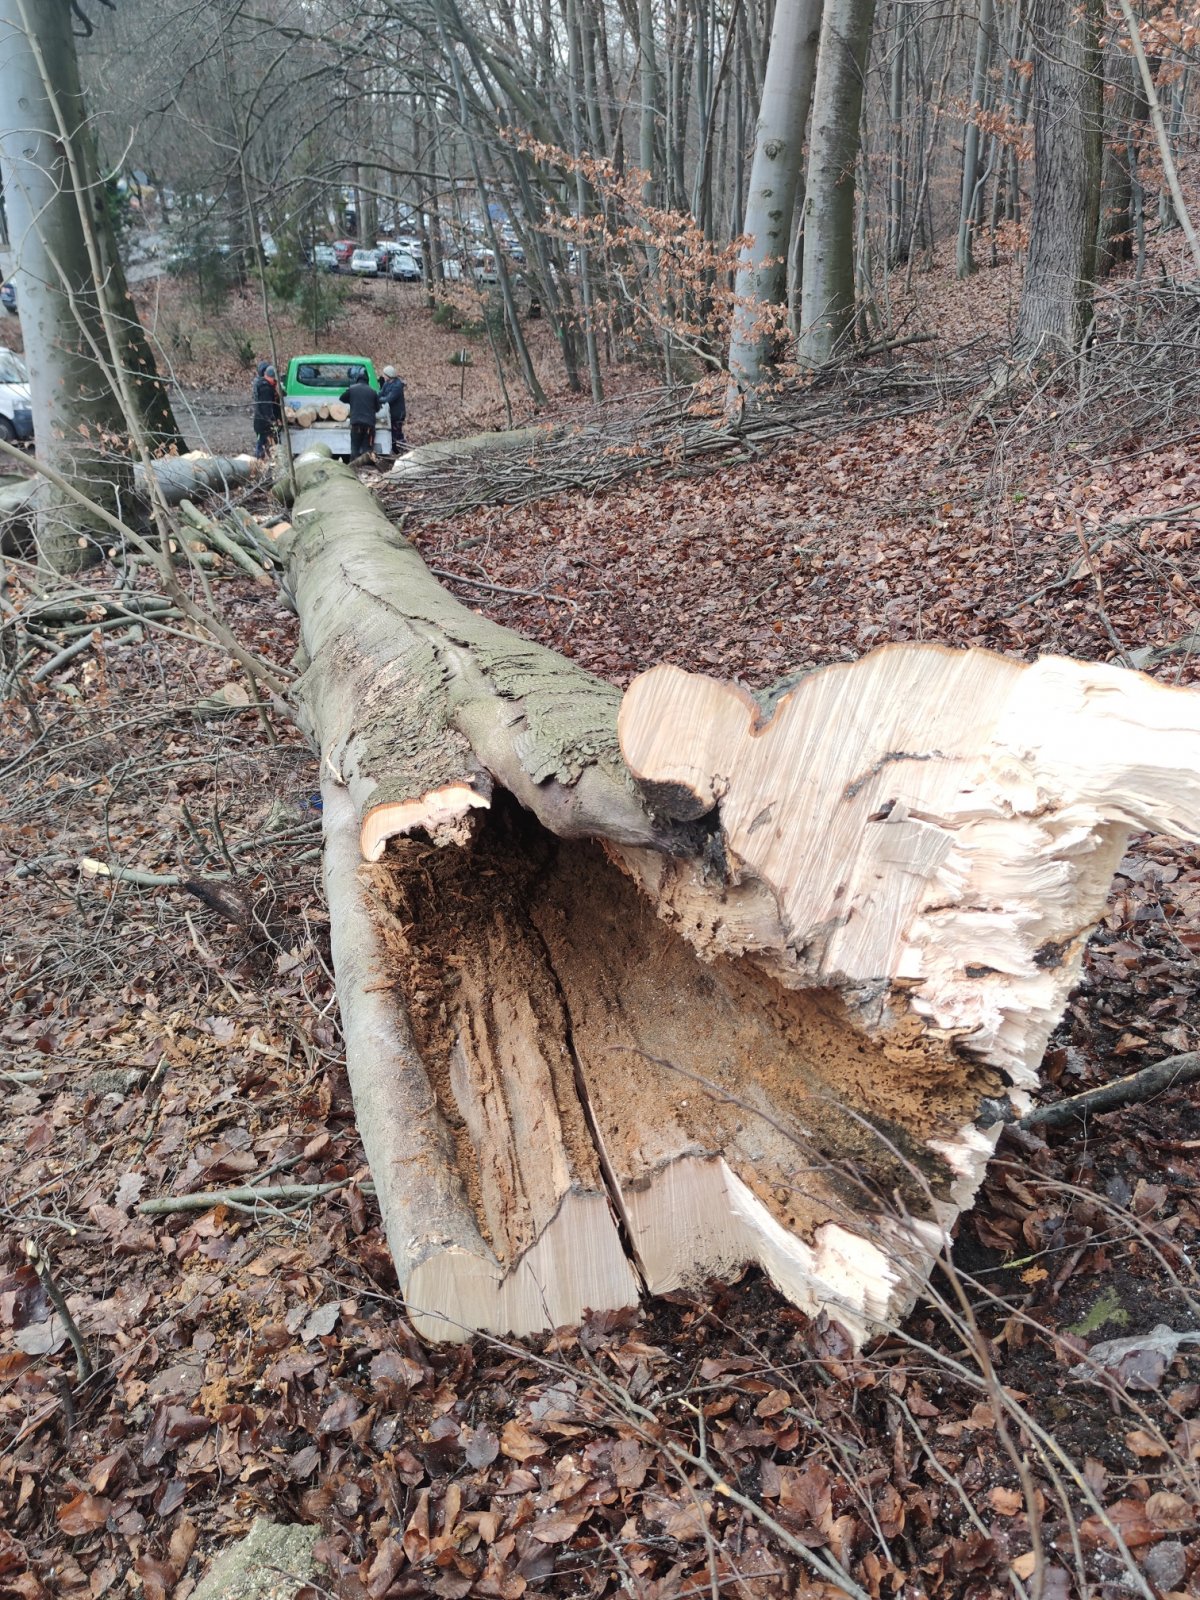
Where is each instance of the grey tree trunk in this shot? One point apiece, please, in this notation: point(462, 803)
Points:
point(965, 259)
point(761, 286)
point(1125, 104)
point(76, 362)
point(827, 290)
point(898, 157)
point(1056, 298)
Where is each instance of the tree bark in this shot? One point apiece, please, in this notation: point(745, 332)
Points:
point(77, 413)
point(827, 288)
point(761, 286)
point(1125, 105)
point(1055, 311)
point(638, 990)
point(965, 258)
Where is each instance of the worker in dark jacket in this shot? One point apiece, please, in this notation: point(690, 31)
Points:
point(267, 411)
point(364, 403)
point(392, 396)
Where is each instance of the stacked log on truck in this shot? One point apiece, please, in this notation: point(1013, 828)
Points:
point(327, 411)
point(640, 988)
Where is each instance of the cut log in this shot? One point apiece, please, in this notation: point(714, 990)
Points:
point(181, 477)
point(750, 985)
point(178, 478)
point(305, 417)
point(338, 412)
point(217, 539)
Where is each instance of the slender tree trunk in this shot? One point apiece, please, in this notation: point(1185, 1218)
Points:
point(75, 407)
point(827, 293)
point(761, 285)
point(1056, 297)
point(532, 384)
point(1124, 105)
point(581, 204)
point(965, 258)
point(1167, 215)
point(897, 158)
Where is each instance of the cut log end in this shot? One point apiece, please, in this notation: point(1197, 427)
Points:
point(444, 816)
point(576, 1264)
point(600, 1086)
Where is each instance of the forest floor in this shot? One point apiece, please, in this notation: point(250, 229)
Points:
point(255, 1359)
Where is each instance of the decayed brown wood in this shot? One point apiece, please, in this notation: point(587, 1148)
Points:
point(747, 985)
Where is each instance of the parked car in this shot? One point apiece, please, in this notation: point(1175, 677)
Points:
point(8, 296)
point(16, 412)
point(365, 263)
point(325, 257)
point(343, 249)
point(405, 267)
point(452, 269)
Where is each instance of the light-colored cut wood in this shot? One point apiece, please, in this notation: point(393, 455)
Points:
point(944, 822)
point(490, 1191)
point(752, 984)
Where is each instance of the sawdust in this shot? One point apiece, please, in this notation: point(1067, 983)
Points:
point(524, 959)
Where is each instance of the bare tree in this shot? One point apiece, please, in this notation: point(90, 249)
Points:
point(774, 178)
point(827, 290)
point(72, 356)
point(1056, 298)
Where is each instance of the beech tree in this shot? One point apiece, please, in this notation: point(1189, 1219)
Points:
point(827, 290)
point(972, 177)
point(92, 375)
point(774, 179)
point(1056, 296)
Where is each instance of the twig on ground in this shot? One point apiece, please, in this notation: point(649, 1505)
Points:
point(40, 1262)
point(1127, 1091)
point(246, 1195)
point(48, 668)
point(502, 588)
point(1100, 606)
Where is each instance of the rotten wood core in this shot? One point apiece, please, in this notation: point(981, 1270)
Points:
point(753, 984)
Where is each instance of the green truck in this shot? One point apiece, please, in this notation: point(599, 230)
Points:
point(313, 381)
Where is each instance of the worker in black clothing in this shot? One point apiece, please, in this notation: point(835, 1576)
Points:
point(392, 396)
point(364, 403)
point(267, 414)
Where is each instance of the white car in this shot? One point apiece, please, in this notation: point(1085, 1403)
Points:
point(16, 413)
point(365, 264)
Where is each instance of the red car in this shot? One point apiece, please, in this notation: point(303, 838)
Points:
point(345, 248)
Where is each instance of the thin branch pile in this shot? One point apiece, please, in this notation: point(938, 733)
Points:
point(638, 990)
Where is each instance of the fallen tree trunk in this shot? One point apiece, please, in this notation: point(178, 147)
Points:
point(750, 985)
point(177, 478)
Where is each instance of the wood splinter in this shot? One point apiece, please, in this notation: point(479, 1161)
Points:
point(638, 991)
